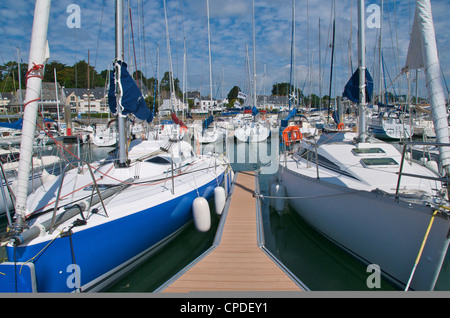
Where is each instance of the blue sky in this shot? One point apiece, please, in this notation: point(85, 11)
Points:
point(231, 32)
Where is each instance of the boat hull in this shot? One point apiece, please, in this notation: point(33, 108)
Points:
point(374, 228)
point(105, 252)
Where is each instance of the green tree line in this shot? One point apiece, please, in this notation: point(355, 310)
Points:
point(74, 76)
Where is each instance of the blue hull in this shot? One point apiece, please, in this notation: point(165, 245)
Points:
point(101, 251)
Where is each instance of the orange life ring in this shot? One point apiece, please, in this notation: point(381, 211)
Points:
point(341, 126)
point(291, 134)
point(183, 129)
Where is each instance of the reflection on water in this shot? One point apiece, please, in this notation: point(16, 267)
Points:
point(318, 263)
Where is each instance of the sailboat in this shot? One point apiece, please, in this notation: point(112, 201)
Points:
point(105, 136)
point(209, 131)
point(254, 130)
point(98, 221)
point(390, 125)
point(366, 197)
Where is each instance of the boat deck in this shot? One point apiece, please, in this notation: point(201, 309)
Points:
point(237, 263)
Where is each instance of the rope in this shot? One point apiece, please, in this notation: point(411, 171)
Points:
point(419, 255)
point(300, 198)
point(40, 252)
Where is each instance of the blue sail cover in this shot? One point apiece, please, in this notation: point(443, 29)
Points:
point(254, 111)
point(351, 90)
point(16, 125)
point(336, 118)
point(208, 122)
point(284, 122)
point(132, 100)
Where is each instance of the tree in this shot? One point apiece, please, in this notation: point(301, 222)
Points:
point(233, 94)
point(282, 89)
point(165, 84)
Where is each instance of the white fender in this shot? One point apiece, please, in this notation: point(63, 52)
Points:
point(201, 214)
point(219, 199)
point(433, 165)
point(280, 201)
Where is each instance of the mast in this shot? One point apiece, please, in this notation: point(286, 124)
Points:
point(380, 52)
point(120, 57)
point(291, 79)
point(57, 99)
point(320, 72)
point(209, 50)
point(169, 57)
point(331, 72)
point(362, 71)
point(254, 55)
point(37, 59)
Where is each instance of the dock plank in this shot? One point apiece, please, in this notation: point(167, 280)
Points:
point(237, 264)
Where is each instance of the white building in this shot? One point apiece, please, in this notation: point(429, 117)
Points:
point(176, 105)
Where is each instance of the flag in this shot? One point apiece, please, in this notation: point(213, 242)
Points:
point(242, 95)
point(237, 104)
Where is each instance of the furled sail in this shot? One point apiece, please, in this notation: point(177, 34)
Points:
point(208, 121)
point(422, 53)
point(351, 90)
point(177, 121)
point(254, 111)
point(131, 101)
point(284, 122)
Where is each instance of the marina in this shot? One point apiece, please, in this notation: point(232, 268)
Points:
point(157, 199)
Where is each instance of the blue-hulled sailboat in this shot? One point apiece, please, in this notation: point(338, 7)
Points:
point(82, 231)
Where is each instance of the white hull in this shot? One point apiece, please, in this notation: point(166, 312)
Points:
point(353, 205)
point(252, 132)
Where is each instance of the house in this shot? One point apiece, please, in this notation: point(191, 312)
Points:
point(83, 100)
point(5, 99)
point(50, 99)
point(177, 106)
point(270, 102)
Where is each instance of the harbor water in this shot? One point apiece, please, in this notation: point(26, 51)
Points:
point(314, 260)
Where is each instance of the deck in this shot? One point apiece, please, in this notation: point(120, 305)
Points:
point(237, 263)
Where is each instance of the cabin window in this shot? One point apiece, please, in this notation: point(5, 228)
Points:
point(158, 160)
point(376, 162)
point(368, 151)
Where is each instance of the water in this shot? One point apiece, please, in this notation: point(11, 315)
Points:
point(318, 263)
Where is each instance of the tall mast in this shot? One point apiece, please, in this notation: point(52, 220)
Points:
point(380, 52)
point(362, 71)
point(254, 55)
point(37, 59)
point(57, 98)
point(331, 72)
point(291, 77)
point(209, 50)
point(320, 72)
point(169, 57)
point(120, 57)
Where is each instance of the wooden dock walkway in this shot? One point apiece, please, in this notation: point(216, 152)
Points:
point(237, 263)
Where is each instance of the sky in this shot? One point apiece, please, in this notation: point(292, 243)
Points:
point(231, 36)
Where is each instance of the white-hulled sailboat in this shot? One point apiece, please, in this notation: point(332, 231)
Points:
point(364, 195)
point(98, 221)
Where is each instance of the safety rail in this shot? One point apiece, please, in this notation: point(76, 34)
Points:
point(401, 173)
point(10, 192)
point(61, 184)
